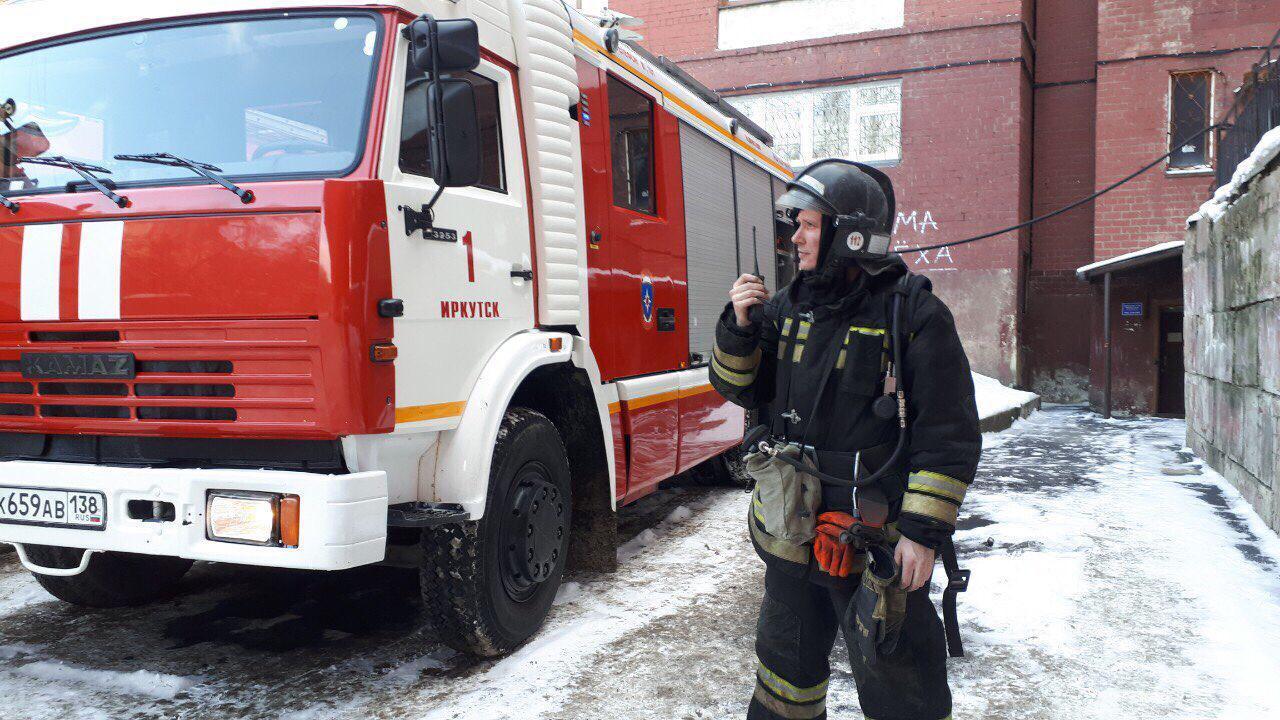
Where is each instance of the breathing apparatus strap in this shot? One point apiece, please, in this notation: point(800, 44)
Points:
point(957, 582)
point(787, 345)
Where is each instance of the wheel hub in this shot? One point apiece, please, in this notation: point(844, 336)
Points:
point(533, 532)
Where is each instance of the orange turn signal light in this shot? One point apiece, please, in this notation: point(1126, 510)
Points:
point(290, 512)
point(557, 344)
point(383, 352)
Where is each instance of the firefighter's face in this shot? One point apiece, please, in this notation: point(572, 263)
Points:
point(808, 238)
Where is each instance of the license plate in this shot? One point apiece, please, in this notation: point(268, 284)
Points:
point(78, 366)
point(59, 508)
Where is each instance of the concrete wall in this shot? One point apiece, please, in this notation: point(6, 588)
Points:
point(1232, 280)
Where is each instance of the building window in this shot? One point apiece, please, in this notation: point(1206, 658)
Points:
point(749, 23)
point(631, 142)
point(857, 122)
point(1190, 112)
point(415, 148)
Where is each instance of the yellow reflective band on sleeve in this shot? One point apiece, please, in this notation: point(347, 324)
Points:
point(741, 363)
point(731, 377)
point(931, 507)
point(789, 712)
point(866, 330)
point(937, 484)
point(784, 689)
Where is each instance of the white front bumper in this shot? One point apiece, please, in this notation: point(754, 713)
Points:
point(342, 522)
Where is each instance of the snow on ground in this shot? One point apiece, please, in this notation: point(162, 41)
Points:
point(1106, 583)
point(994, 398)
point(1267, 149)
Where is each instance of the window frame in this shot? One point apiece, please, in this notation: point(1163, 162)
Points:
point(655, 212)
point(1211, 143)
point(504, 189)
point(857, 112)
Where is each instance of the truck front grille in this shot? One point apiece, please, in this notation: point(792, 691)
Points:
point(251, 378)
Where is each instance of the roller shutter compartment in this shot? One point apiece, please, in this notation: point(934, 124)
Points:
point(709, 227)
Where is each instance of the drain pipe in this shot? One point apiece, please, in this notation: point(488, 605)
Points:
point(1106, 345)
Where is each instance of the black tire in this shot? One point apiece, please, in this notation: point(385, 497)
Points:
point(481, 593)
point(723, 470)
point(112, 579)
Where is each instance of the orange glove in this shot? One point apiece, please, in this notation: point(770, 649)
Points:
point(834, 557)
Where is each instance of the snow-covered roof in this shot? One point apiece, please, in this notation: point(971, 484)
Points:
point(1267, 149)
point(1137, 258)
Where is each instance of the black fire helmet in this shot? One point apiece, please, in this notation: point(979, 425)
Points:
point(858, 202)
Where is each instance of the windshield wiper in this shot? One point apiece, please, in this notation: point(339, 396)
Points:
point(10, 205)
point(204, 170)
point(85, 171)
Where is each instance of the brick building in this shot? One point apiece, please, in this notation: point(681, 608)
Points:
point(987, 113)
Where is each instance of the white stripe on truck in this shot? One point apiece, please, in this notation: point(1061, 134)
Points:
point(100, 247)
point(41, 268)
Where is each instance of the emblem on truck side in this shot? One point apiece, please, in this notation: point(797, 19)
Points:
point(78, 366)
point(646, 298)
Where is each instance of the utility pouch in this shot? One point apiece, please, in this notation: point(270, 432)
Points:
point(878, 609)
point(785, 500)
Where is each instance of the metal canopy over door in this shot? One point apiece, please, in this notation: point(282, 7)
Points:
point(712, 240)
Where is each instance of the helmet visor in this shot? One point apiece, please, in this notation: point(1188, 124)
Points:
point(798, 198)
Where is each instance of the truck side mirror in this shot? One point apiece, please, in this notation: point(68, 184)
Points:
point(455, 157)
point(443, 46)
point(439, 47)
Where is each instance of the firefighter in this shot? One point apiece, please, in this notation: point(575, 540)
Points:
point(821, 348)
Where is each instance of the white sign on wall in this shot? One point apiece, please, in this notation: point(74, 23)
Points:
point(755, 23)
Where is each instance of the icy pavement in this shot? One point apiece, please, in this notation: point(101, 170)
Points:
point(1108, 582)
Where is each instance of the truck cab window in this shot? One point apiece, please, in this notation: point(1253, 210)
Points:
point(415, 155)
point(631, 144)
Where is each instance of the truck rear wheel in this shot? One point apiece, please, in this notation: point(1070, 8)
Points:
point(487, 585)
point(111, 580)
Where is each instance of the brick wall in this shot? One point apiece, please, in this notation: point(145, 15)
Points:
point(966, 130)
point(1059, 307)
point(1133, 110)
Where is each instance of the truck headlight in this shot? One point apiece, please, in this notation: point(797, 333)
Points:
point(255, 518)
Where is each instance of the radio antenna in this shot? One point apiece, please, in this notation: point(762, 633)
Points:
point(755, 253)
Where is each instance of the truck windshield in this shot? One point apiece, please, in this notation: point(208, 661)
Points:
point(265, 97)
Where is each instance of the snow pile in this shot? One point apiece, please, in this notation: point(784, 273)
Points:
point(634, 546)
point(994, 398)
point(140, 682)
point(1268, 149)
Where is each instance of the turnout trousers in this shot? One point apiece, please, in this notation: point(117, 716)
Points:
point(795, 634)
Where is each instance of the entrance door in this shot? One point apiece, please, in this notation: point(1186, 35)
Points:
point(1171, 401)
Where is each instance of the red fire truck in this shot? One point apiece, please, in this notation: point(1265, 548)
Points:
point(317, 284)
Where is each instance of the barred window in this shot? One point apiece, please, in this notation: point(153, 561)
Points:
point(858, 122)
point(1190, 101)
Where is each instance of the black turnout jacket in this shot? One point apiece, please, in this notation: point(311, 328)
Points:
point(943, 439)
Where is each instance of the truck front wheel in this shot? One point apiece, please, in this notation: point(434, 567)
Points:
point(487, 585)
point(111, 580)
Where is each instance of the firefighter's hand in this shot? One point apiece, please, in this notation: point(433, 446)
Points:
point(747, 291)
point(834, 557)
point(916, 562)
